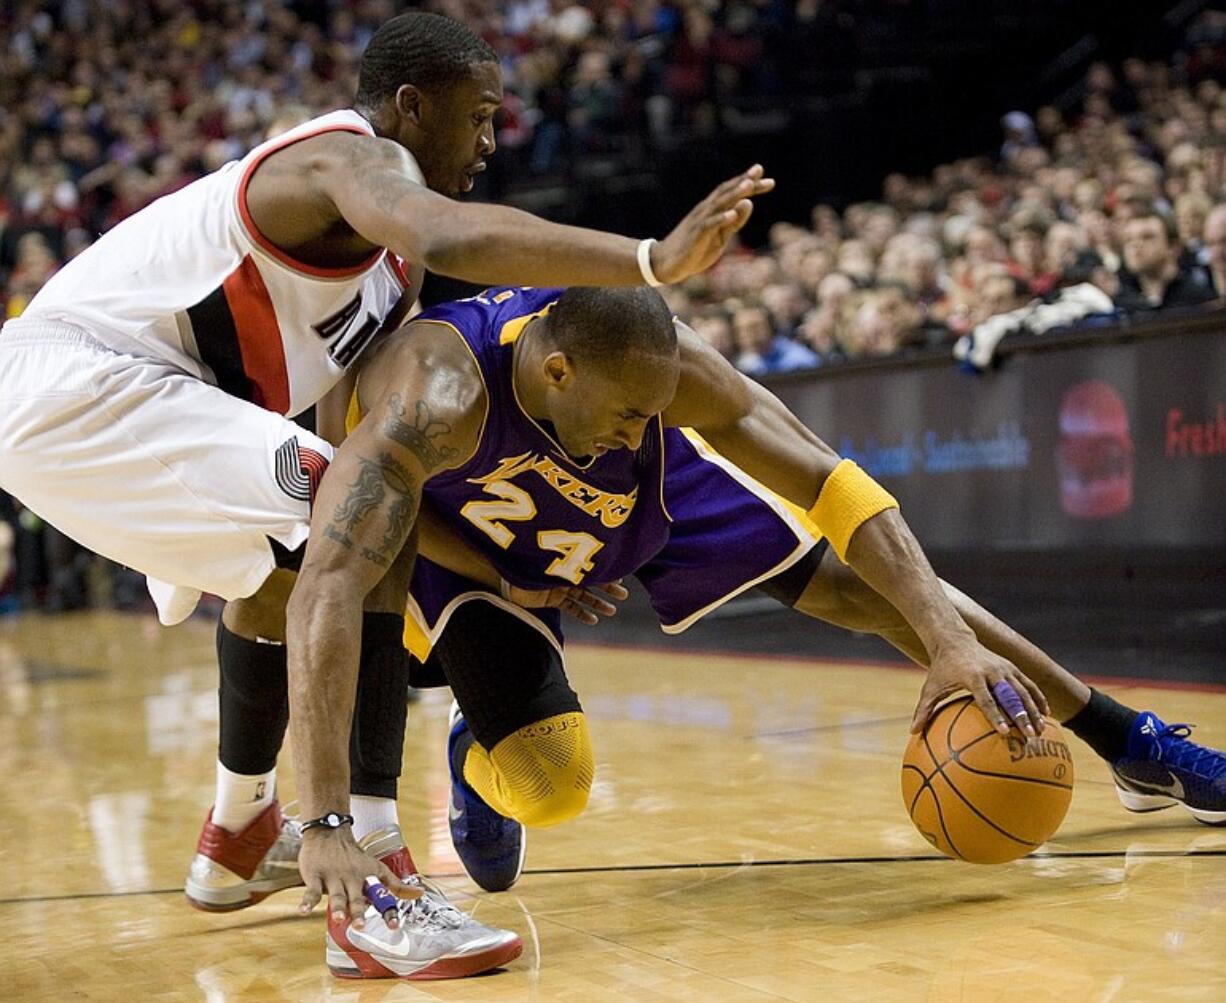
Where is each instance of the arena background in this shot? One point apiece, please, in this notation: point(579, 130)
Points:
point(941, 286)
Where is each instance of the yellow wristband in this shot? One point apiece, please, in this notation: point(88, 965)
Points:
point(848, 499)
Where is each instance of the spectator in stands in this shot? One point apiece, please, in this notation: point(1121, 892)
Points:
point(760, 351)
point(1215, 248)
point(1020, 135)
point(1027, 261)
point(1152, 278)
point(856, 260)
point(1063, 242)
point(877, 322)
point(819, 326)
point(814, 266)
point(786, 303)
point(1086, 289)
point(997, 291)
point(1191, 211)
point(714, 326)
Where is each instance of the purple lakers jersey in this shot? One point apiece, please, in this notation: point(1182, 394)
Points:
point(551, 518)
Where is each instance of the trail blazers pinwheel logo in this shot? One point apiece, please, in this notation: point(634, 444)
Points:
point(298, 470)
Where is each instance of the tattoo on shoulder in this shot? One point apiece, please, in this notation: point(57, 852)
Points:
point(419, 432)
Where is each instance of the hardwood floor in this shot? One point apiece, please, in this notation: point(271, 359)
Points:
point(745, 841)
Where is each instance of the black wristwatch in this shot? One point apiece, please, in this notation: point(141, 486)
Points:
point(333, 820)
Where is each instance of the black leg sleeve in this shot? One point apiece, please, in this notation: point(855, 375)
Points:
point(376, 741)
point(1104, 725)
point(254, 702)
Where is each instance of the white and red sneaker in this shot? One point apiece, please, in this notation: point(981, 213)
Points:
point(235, 870)
point(434, 940)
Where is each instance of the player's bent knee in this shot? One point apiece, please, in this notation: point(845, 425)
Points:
point(546, 770)
point(262, 614)
point(560, 807)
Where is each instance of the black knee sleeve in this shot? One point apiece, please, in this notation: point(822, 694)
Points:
point(503, 672)
point(253, 700)
point(376, 741)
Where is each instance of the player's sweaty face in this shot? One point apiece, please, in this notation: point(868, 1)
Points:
point(459, 125)
point(603, 410)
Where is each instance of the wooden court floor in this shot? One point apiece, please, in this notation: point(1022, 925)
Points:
point(745, 841)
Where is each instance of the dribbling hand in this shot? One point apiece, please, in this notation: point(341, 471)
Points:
point(696, 243)
point(1001, 691)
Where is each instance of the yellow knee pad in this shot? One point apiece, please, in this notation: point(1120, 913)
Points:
point(540, 775)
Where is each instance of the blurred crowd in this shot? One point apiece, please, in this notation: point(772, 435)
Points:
point(1117, 206)
point(107, 104)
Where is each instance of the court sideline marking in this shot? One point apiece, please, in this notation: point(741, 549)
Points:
point(712, 865)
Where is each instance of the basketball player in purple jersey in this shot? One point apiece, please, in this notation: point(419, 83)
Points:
point(145, 398)
point(578, 437)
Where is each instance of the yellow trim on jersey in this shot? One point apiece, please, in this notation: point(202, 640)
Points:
point(709, 452)
point(420, 638)
point(663, 468)
point(353, 415)
point(848, 499)
point(807, 534)
point(509, 333)
point(416, 641)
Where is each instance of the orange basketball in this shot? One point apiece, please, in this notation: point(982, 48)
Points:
point(979, 796)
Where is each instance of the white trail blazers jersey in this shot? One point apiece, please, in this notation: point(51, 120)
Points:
point(190, 279)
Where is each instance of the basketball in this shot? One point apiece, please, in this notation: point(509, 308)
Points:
point(982, 797)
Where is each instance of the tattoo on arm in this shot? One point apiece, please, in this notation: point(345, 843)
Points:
point(418, 435)
point(404, 508)
point(364, 494)
point(370, 490)
point(332, 533)
point(368, 170)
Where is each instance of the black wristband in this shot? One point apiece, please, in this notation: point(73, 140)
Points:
point(333, 820)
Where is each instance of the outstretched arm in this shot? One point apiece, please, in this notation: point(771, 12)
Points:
point(424, 418)
point(751, 427)
point(369, 182)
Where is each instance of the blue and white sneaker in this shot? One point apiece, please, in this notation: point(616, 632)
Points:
point(490, 846)
point(1162, 768)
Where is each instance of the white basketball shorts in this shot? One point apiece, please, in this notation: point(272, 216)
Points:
point(151, 467)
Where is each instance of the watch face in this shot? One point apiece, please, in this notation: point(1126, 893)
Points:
point(333, 820)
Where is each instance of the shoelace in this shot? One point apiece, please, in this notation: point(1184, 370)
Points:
point(432, 910)
point(1185, 755)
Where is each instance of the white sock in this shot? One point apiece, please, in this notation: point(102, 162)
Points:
point(241, 798)
point(371, 814)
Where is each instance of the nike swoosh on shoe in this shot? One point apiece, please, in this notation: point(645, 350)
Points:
point(1174, 788)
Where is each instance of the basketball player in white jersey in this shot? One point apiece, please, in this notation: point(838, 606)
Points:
point(145, 397)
